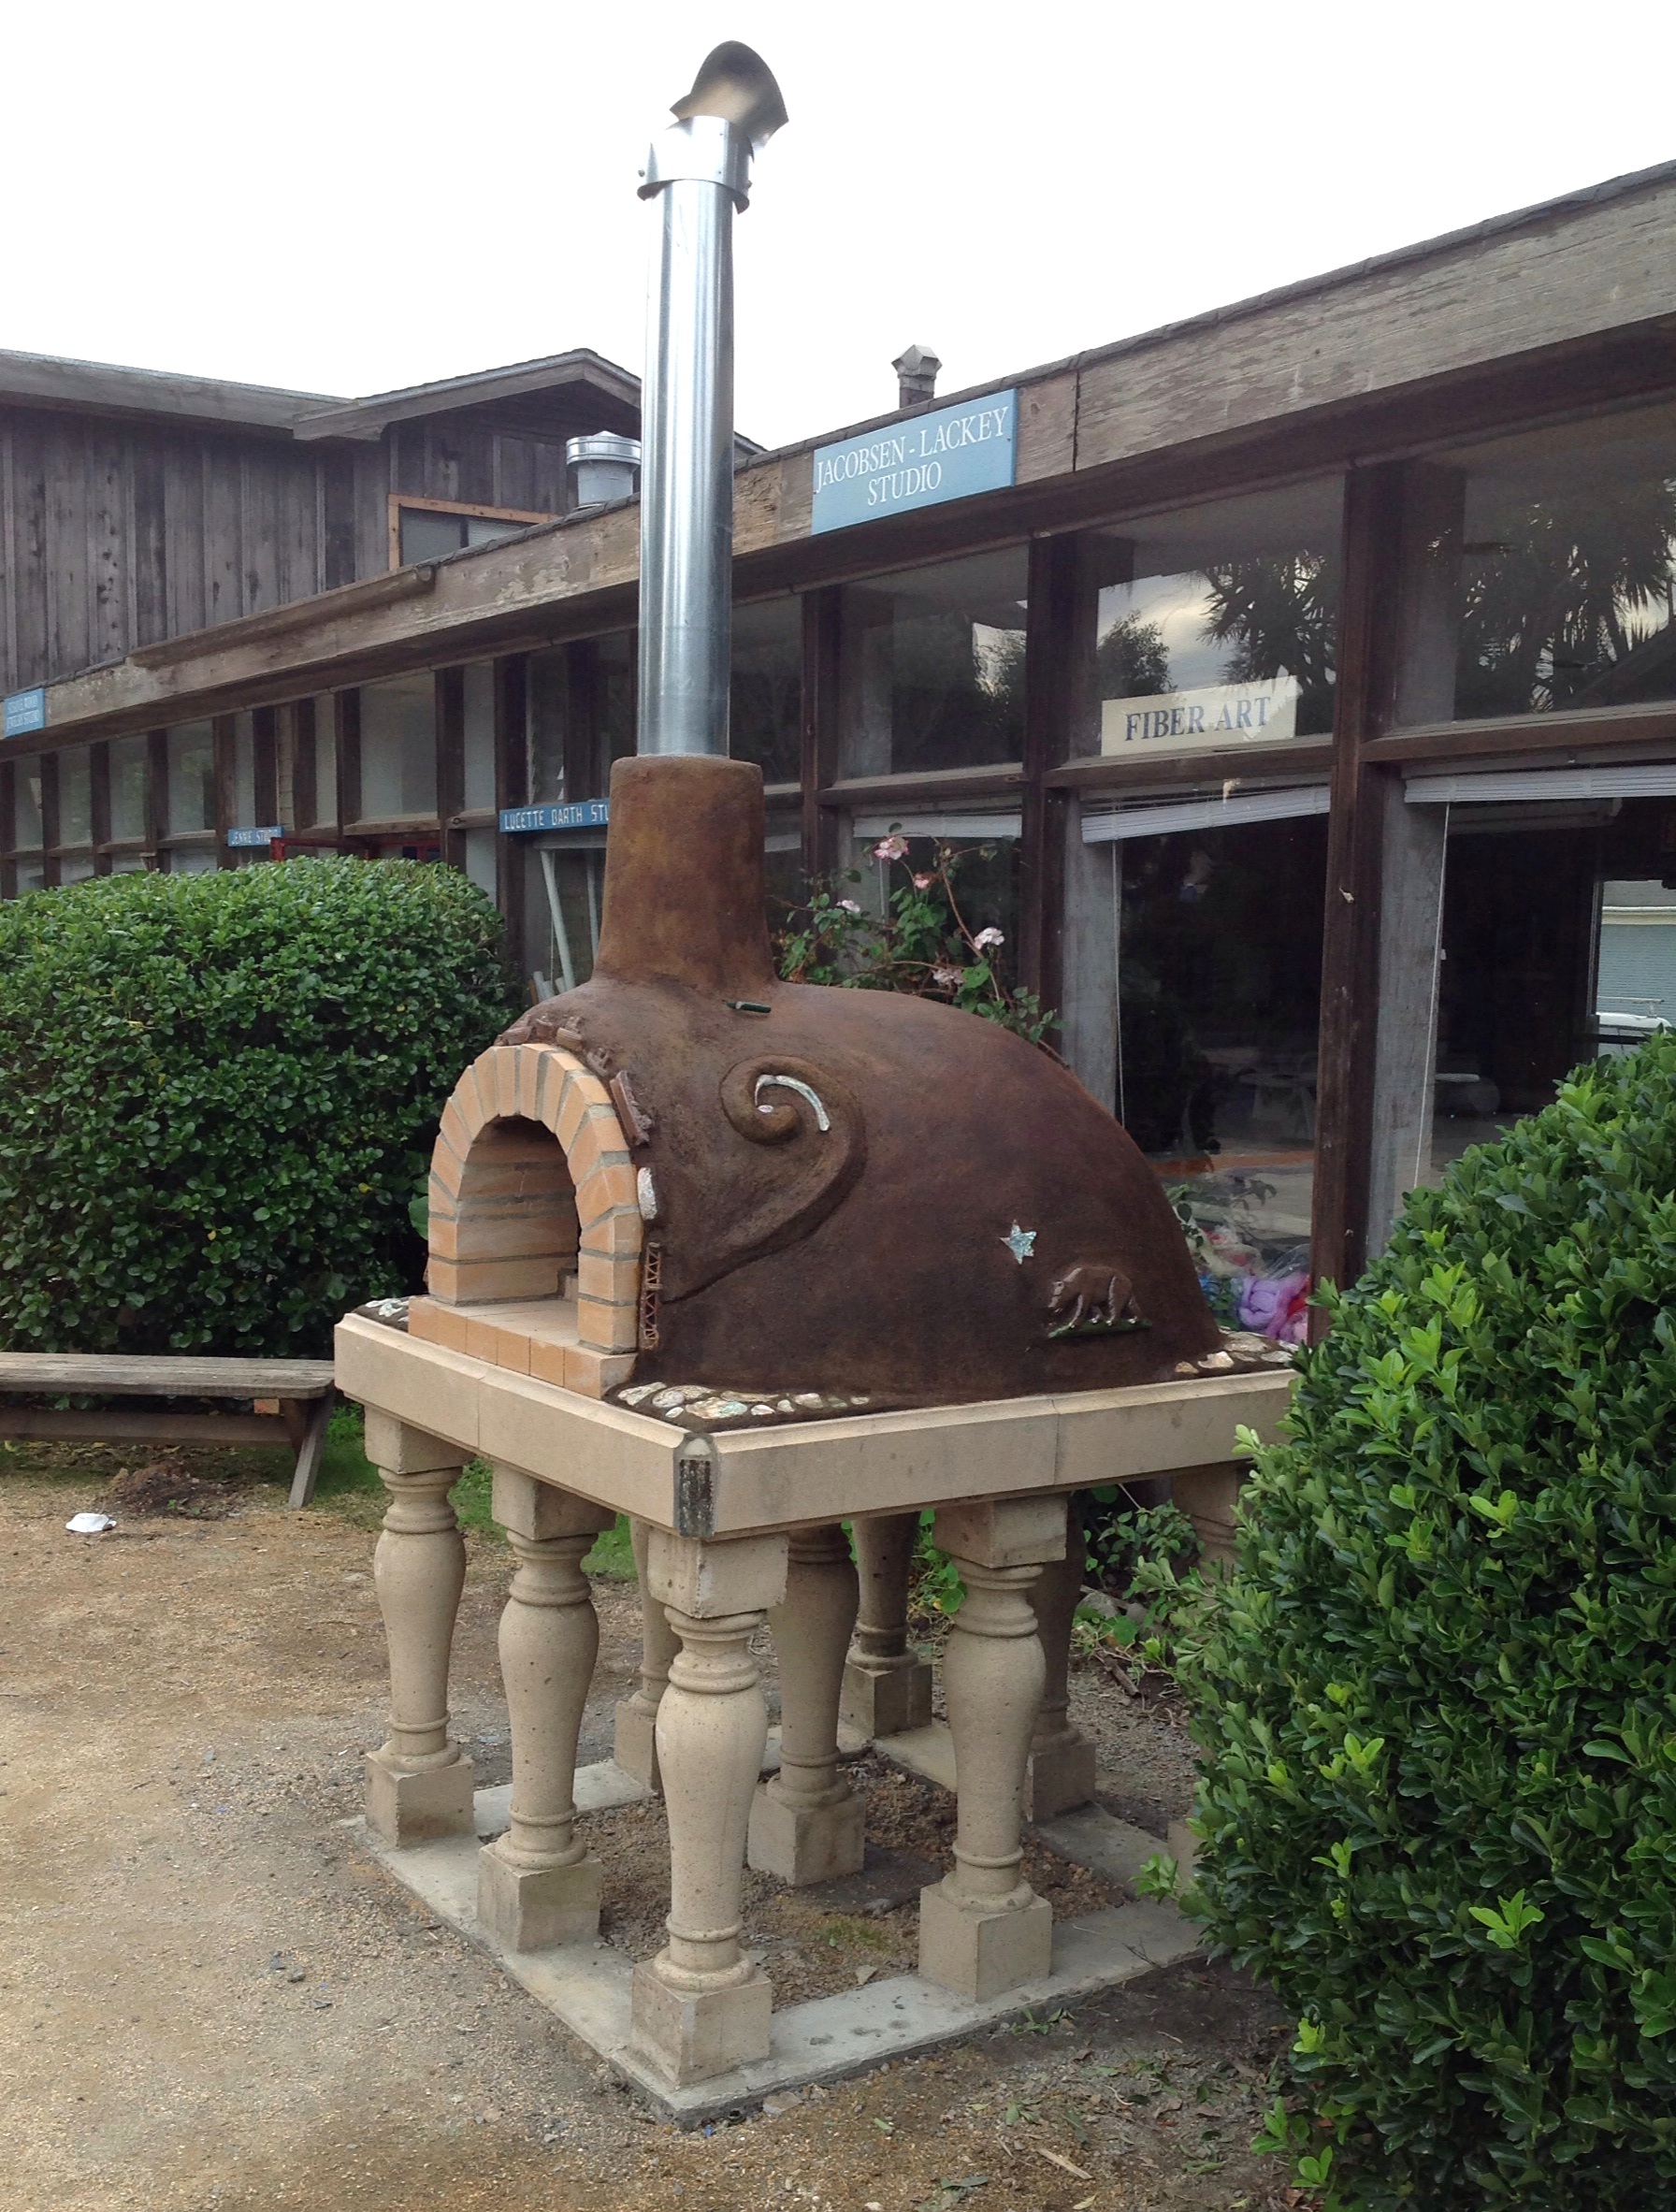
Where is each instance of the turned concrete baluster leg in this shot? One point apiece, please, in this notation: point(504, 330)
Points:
point(636, 1747)
point(419, 1781)
point(1060, 1773)
point(806, 1820)
point(886, 1686)
point(1209, 1497)
point(537, 1885)
point(983, 1929)
point(701, 2006)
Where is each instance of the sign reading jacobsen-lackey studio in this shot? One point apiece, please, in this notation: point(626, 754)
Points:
point(1216, 716)
point(949, 454)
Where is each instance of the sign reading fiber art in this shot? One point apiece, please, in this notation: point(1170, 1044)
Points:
point(1216, 716)
point(950, 453)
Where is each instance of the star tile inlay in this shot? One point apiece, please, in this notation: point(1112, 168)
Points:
point(1021, 1243)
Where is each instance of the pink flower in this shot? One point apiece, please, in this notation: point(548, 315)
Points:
point(985, 938)
point(924, 883)
point(850, 905)
point(894, 848)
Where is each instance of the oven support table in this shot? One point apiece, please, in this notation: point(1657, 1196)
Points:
point(725, 1550)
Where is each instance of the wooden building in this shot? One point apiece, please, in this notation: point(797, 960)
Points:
point(1310, 683)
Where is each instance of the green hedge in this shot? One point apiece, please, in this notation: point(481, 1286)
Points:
point(218, 1093)
point(1440, 1693)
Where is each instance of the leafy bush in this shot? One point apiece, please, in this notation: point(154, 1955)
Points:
point(1439, 1690)
point(922, 943)
point(219, 1092)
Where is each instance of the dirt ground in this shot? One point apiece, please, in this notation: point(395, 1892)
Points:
point(211, 1997)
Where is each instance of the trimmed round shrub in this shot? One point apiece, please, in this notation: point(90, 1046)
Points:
point(218, 1096)
point(1438, 1692)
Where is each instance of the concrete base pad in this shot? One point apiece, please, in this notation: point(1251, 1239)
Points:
point(1059, 1776)
point(800, 1845)
point(885, 1703)
point(526, 1909)
point(688, 2039)
point(414, 1808)
point(978, 1954)
point(586, 1986)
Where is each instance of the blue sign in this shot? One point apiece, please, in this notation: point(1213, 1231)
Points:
point(580, 814)
point(269, 836)
point(25, 710)
point(949, 454)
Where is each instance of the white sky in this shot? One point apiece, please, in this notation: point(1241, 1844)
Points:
point(348, 195)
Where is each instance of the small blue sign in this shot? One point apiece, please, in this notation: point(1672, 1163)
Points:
point(25, 710)
point(580, 814)
point(949, 454)
point(271, 835)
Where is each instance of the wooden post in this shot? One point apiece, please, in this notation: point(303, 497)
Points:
point(1349, 936)
point(818, 754)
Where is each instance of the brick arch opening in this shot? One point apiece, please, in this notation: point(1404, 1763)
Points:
point(535, 1232)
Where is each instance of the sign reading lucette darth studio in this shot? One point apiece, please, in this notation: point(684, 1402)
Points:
point(949, 454)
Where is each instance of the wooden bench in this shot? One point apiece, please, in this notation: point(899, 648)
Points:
point(302, 1389)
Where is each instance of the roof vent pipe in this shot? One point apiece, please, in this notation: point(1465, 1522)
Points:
point(603, 467)
point(916, 376)
point(700, 172)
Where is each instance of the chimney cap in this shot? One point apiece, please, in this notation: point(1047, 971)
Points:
point(917, 361)
point(916, 376)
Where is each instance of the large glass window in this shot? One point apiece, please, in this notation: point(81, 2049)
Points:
point(1214, 626)
point(191, 778)
point(546, 705)
point(765, 702)
point(129, 761)
point(26, 787)
point(479, 737)
point(1198, 956)
point(564, 879)
point(74, 797)
point(933, 667)
point(399, 749)
point(1546, 571)
point(325, 761)
point(245, 815)
point(1557, 943)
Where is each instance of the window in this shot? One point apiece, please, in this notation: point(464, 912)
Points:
point(1545, 574)
point(26, 790)
point(399, 749)
point(933, 667)
point(429, 529)
point(1195, 949)
point(564, 877)
point(766, 695)
point(546, 708)
point(246, 815)
point(1213, 627)
point(74, 798)
point(190, 793)
point(129, 771)
point(479, 737)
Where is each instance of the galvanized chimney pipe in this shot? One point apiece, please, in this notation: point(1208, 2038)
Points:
point(700, 171)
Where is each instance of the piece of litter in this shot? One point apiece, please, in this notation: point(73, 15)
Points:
point(88, 1524)
point(1063, 2164)
point(1082, 2205)
point(864, 1975)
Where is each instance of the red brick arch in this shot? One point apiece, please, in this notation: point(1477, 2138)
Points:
point(532, 1183)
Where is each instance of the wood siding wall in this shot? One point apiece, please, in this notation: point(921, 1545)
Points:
point(115, 534)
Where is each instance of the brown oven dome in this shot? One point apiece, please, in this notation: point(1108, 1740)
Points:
point(848, 1190)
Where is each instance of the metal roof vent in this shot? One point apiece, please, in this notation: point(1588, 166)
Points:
point(916, 376)
point(603, 467)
